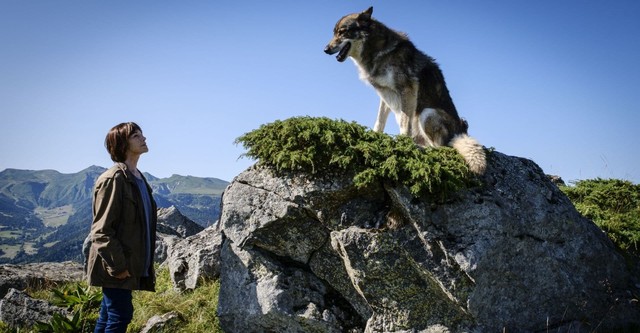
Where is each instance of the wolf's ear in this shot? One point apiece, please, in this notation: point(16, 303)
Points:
point(366, 15)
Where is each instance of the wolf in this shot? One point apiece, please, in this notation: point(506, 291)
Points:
point(409, 83)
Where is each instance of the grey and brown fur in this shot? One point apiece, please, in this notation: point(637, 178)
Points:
point(409, 83)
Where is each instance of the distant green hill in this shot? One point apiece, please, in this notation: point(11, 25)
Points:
point(45, 214)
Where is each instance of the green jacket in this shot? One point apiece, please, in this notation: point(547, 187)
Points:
point(118, 232)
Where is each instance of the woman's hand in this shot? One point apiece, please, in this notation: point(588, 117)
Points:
point(123, 275)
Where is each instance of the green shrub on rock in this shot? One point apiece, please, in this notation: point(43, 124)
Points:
point(612, 204)
point(317, 145)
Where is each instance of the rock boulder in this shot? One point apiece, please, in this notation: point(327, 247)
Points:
point(172, 222)
point(17, 309)
point(306, 253)
point(38, 275)
point(195, 258)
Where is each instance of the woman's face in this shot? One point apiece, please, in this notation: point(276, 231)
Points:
point(137, 143)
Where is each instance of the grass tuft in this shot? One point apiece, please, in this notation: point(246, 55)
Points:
point(197, 308)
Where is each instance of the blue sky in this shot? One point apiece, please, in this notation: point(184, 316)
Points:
point(557, 82)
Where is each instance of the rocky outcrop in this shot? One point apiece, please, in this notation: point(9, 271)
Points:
point(195, 258)
point(172, 227)
point(172, 222)
point(17, 309)
point(38, 275)
point(316, 254)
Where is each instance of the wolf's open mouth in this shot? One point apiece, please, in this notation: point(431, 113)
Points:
point(344, 52)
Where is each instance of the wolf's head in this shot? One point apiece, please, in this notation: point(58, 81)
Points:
point(349, 35)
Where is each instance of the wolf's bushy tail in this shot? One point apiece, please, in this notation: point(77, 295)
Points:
point(472, 152)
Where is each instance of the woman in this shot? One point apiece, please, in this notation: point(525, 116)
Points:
point(123, 231)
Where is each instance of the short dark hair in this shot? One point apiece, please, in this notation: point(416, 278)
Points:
point(117, 142)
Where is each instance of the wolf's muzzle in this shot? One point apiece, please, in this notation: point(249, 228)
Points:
point(342, 49)
point(328, 50)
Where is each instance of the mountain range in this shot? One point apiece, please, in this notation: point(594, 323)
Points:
point(45, 215)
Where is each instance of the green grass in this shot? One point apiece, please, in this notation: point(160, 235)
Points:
point(322, 145)
point(10, 251)
point(54, 217)
point(197, 308)
point(13, 234)
point(30, 248)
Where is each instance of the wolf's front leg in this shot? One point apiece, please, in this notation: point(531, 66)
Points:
point(406, 116)
point(383, 114)
point(404, 122)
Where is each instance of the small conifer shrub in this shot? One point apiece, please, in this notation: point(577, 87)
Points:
point(613, 205)
point(317, 145)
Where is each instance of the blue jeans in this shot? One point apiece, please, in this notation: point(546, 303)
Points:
point(116, 311)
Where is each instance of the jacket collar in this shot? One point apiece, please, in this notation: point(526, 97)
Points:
point(129, 176)
point(125, 170)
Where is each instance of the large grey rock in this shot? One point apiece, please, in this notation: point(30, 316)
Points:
point(195, 258)
point(17, 309)
point(316, 254)
point(272, 296)
point(38, 275)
